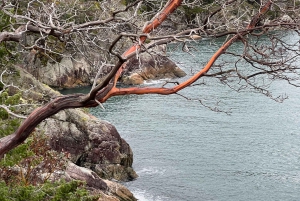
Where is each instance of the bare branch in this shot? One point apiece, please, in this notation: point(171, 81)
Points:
point(6, 108)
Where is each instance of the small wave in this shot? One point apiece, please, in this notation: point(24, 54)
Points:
point(151, 171)
point(154, 82)
point(142, 195)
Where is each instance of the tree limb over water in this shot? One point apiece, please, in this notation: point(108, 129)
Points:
point(51, 22)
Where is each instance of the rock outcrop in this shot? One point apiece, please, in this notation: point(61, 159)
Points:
point(110, 191)
point(150, 67)
point(94, 146)
point(91, 143)
point(69, 72)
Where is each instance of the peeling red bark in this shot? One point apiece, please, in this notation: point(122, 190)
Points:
point(156, 21)
point(166, 91)
point(107, 90)
point(76, 101)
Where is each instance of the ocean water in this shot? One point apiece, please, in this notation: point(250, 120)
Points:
point(183, 151)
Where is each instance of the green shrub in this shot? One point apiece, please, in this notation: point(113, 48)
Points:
point(17, 154)
point(20, 177)
point(7, 126)
point(57, 191)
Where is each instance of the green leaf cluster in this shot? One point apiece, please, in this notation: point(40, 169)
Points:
point(191, 12)
point(17, 154)
point(20, 170)
point(5, 99)
point(8, 125)
point(4, 20)
point(57, 191)
point(5, 56)
point(10, 100)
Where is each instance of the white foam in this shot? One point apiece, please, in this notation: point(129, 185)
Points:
point(142, 195)
point(154, 82)
point(151, 171)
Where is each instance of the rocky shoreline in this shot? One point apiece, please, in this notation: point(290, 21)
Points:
point(93, 148)
point(70, 72)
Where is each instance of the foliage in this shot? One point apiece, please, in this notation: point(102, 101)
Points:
point(24, 164)
point(191, 12)
point(16, 155)
point(4, 20)
point(6, 57)
point(26, 170)
point(57, 191)
point(7, 124)
point(147, 6)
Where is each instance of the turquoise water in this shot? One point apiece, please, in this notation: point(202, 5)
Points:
point(184, 152)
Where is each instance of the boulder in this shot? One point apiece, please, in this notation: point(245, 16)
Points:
point(73, 69)
point(83, 174)
point(110, 191)
point(119, 191)
point(91, 143)
point(150, 67)
point(286, 18)
point(133, 79)
point(67, 73)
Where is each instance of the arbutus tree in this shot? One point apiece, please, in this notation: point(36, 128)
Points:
point(271, 60)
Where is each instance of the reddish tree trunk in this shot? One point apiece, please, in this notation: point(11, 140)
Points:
point(104, 92)
point(166, 91)
point(76, 101)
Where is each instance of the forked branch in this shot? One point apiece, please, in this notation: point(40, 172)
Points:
point(166, 91)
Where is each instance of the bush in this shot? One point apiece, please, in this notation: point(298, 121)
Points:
point(21, 169)
point(57, 191)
